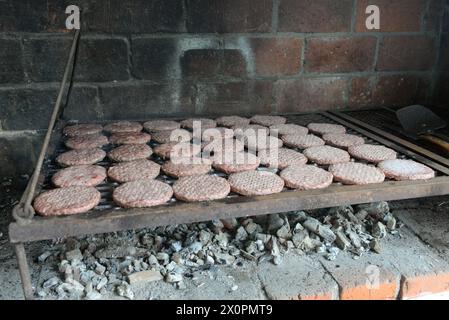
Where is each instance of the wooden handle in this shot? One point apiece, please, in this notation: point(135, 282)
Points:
point(444, 145)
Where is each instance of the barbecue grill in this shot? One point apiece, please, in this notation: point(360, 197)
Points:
point(108, 217)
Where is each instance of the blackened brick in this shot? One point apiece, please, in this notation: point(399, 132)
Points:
point(209, 63)
point(11, 68)
point(244, 97)
point(311, 94)
point(388, 90)
point(446, 18)
point(97, 59)
point(141, 100)
point(45, 58)
point(315, 15)
point(94, 15)
point(102, 60)
point(146, 16)
point(401, 53)
point(277, 56)
point(433, 16)
point(395, 16)
point(154, 58)
point(444, 53)
point(83, 104)
point(442, 96)
point(224, 16)
point(24, 109)
point(18, 153)
point(348, 54)
point(23, 15)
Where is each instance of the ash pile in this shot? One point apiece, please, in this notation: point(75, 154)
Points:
point(101, 266)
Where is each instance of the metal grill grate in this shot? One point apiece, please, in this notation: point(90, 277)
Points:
point(107, 187)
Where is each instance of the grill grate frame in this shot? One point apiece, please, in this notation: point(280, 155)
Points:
point(106, 188)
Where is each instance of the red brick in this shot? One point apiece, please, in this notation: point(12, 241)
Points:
point(395, 16)
point(363, 279)
point(390, 90)
point(403, 53)
point(224, 16)
point(213, 63)
point(234, 97)
point(315, 15)
point(340, 54)
point(277, 56)
point(310, 94)
point(415, 286)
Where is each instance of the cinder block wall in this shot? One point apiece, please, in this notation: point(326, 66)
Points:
point(143, 58)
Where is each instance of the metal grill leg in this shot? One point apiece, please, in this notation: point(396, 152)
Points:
point(24, 271)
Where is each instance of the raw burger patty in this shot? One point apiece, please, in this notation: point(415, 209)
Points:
point(343, 140)
point(161, 125)
point(123, 126)
point(177, 135)
point(324, 128)
point(82, 129)
point(399, 169)
point(250, 130)
point(205, 123)
point(282, 129)
point(265, 120)
point(235, 162)
point(224, 145)
point(134, 170)
point(301, 141)
point(262, 143)
point(182, 167)
point(142, 193)
point(255, 183)
point(230, 121)
point(325, 155)
point(201, 188)
point(281, 158)
point(372, 153)
point(356, 173)
point(80, 157)
point(177, 149)
point(89, 176)
point(217, 133)
point(306, 177)
point(64, 201)
point(130, 152)
point(87, 142)
point(130, 138)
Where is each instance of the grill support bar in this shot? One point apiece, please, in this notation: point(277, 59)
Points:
point(24, 271)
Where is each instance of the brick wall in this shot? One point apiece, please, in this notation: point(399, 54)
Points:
point(142, 58)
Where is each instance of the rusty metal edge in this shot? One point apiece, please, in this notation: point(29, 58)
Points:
point(408, 150)
point(379, 132)
point(117, 220)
